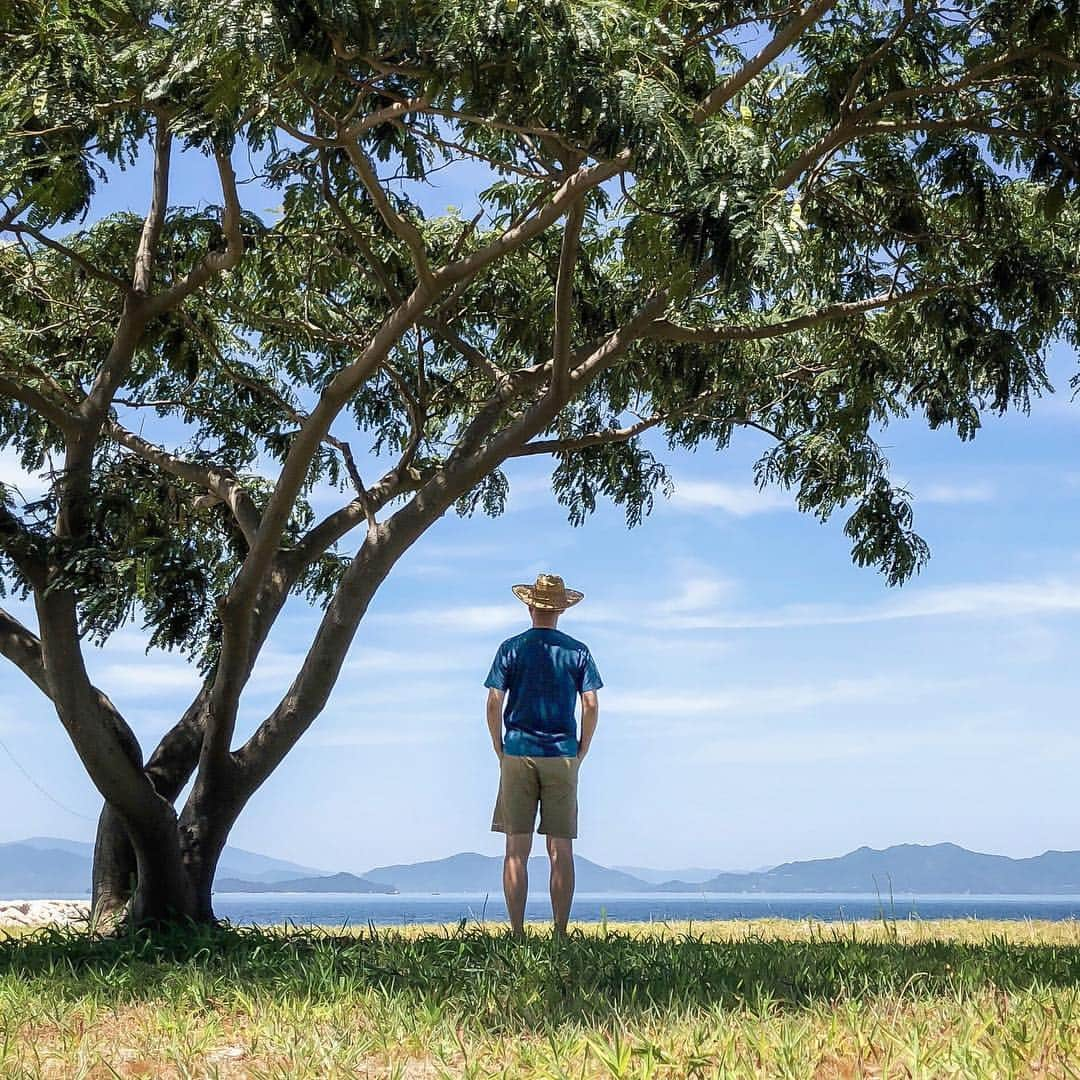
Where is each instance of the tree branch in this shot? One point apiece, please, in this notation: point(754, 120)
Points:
point(213, 262)
point(868, 61)
point(215, 481)
point(42, 405)
point(781, 42)
point(859, 121)
point(668, 331)
point(399, 225)
point(146, 254)
point(73, 256)
point(111, 374)
point(22, 647)
point(564, 299)
point(102, 739)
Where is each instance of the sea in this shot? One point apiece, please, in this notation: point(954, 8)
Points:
point(404, 909)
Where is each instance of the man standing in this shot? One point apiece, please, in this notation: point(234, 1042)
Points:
point(540, 673)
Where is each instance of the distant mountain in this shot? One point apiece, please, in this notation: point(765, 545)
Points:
point(57, 867)
point(692, 874)
point(470, 872)
point(52, 864)
point(26, 869)
point(906, 868)
point(331, 883)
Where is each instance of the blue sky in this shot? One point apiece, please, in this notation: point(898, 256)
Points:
point(765, 699)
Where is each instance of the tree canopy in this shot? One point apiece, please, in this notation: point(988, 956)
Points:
point(690, 218)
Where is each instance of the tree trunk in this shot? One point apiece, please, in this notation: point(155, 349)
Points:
point(163, 892)
point(115, 871)
point(169, 769)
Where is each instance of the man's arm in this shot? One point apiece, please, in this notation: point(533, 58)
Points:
point(590, 713)
point(494, 718)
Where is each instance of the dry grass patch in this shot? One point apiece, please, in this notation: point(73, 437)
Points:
point(749, 999)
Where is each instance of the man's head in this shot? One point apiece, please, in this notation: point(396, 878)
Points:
point(547, 599)
point(546, 619)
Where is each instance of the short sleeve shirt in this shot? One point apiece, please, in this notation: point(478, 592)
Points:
point(542, 672)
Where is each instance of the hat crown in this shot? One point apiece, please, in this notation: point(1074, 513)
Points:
point(549, 585)
point(549, 592)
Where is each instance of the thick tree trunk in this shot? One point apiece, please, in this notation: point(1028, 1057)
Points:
point(174, 877)
point(204, 827)
point(115, 872)
point(163, 892)
point(170, 767)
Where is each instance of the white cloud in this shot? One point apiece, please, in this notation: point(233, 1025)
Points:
point(396, 737)
point(772, 749)
point(738, 500)
point(697, 592)
point(955, 493)
point(984, 600)
point(468, 618)
point(12, 474)
point(148, 678)
point(766, 700)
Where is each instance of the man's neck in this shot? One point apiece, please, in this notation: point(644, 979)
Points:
point(545, 622)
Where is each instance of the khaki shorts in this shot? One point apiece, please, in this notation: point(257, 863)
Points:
point(524, 783)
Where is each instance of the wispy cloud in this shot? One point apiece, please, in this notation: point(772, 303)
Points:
point(737, 500)
point(378, 737)
point(982, 600)
point(955, 493)
point(149, 678)
point(12, 474)
point(696, 589)
point(468, 618)
point(750, 700)
point(774, 749)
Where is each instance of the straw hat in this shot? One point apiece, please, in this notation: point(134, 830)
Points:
point(548, 594)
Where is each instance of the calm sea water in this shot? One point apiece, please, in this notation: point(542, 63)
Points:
point(337, 909)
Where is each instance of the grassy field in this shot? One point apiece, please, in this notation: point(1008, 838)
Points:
point(769, 999)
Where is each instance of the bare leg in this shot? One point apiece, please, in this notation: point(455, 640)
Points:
point(561, 854)
point(516, 878)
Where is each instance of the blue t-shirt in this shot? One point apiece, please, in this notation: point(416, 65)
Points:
point(543, 671)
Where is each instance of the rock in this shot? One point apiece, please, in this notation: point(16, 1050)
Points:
point(43, 912)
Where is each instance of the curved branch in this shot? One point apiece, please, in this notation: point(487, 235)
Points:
point(23, 648)
point(213, 262)
point(215, 481)
point(669, 331)
point(70, 254)
point(45, 407)
point(146, 255)
point(861, 121)
point(564, 298)
point(780, 43)
point(397, 223)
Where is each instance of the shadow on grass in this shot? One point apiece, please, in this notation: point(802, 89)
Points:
point(487, 978)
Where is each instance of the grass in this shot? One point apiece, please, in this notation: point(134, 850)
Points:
point(761, 999)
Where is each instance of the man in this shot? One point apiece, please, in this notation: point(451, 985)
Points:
point(540, 673)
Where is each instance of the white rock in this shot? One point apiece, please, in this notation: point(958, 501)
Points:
point(43, 912)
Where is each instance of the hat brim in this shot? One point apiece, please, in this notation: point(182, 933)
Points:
point(525, 594)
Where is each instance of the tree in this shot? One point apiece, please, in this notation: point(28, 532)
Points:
point(807, 218)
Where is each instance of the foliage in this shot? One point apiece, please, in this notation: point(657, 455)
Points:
point(733, 999)
point(687, 219)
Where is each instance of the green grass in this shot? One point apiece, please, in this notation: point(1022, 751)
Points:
point(769, 999)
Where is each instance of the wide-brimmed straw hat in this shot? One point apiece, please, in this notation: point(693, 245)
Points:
point(548, 594)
